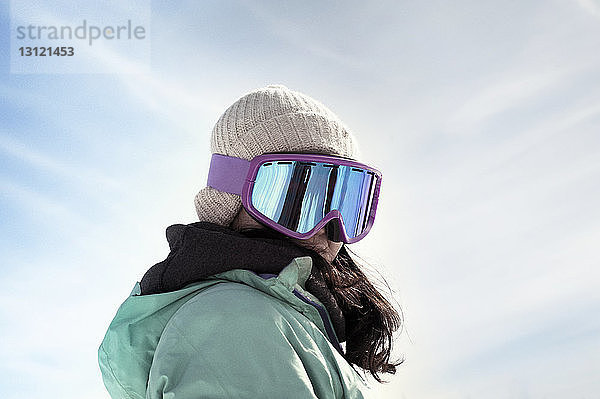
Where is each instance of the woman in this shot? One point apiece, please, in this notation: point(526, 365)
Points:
point(255, 299)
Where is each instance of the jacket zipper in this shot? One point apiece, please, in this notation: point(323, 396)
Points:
point(322, 312)
point(326, 321)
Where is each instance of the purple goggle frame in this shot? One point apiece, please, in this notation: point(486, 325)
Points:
point(239, 176)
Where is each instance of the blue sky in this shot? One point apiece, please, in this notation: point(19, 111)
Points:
point(483, 116)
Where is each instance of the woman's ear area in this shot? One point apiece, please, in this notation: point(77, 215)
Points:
point(243, 220)
point(235, 223)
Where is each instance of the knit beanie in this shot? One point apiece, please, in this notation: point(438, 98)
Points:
point(271, 119)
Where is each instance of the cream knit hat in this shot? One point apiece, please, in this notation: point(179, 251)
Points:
point(270, 119)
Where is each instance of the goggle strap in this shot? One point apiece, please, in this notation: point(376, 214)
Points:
point(227, 173)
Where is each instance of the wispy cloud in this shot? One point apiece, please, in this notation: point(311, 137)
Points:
point(510, 92)
point(75, 173)
point(591, 6)
point(291, 30)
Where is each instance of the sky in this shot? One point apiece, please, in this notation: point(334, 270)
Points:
point(484, 117)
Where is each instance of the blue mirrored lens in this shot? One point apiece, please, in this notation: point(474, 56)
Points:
point(298, 195)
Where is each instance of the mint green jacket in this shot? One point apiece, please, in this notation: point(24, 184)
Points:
point(233, 335)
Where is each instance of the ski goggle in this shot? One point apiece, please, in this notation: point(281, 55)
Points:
point(299, 194)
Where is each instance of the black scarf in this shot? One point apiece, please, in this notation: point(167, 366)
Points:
point(202, 249)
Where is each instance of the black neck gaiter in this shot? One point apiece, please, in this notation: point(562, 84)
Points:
point(202, 249)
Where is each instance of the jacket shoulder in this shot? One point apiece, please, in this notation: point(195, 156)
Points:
point(247, 314)
point(231, 339)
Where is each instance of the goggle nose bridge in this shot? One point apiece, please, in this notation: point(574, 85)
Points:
point(334, 226)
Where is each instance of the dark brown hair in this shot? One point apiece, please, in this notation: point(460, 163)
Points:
point(370, 319)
